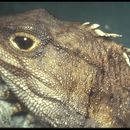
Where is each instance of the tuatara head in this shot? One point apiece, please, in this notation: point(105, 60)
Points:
point(65, 73)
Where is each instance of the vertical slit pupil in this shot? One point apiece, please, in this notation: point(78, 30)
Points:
point(23, 42)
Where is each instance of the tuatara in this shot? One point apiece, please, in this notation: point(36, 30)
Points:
point(65, 73)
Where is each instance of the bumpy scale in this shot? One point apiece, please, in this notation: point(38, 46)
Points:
point(67, 74)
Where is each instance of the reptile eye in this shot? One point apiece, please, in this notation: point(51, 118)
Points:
point(24, 41)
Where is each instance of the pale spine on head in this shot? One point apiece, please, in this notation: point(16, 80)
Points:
point(98, 31)
point(126, 56)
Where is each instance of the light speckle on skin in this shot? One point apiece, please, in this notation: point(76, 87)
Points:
point(74, 76)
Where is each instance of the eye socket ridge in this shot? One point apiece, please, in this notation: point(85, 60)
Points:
point(24, 41)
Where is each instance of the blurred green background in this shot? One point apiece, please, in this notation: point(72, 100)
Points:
point(112, 16)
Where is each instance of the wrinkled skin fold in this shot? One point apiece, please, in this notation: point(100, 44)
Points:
point(72, 75)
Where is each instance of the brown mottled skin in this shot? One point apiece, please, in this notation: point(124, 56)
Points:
point(70, 77)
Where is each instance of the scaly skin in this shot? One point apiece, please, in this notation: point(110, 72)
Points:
point(71, 75)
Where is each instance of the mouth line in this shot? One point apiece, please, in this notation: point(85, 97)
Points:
point(42, 95)
point(17, 71)
point(47, 118)
point(43, 105)
point(46, 108)
point(26, 74)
